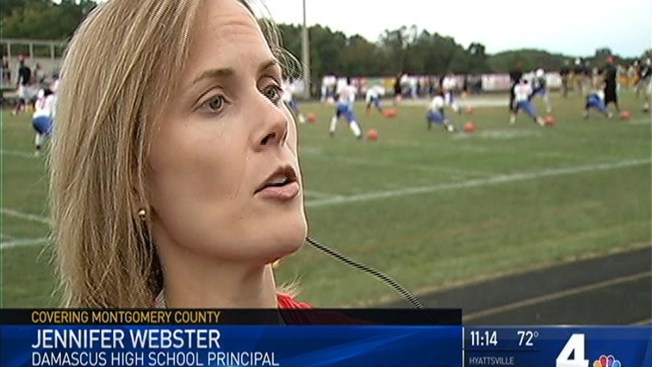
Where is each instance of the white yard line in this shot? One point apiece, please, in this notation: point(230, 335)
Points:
point(23, 242)
point(25, 216)
point(331, 200)
point(498, 101)
point(420, 167)
point(319, 194)
point(5, 236)
point(475, 183)
point(17, 153)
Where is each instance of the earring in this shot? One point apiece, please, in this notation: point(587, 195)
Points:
point(142, 214)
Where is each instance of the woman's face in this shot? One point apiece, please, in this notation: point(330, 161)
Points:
point(223, 167)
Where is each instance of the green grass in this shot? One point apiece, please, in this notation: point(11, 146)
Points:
point(504, 199)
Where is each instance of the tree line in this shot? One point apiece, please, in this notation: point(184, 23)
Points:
point(42, 19)
point(406, 49)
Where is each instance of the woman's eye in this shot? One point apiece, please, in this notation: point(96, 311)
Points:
point(273, 93)
point(214, 104)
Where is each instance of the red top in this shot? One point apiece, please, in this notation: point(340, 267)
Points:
point(287, 302)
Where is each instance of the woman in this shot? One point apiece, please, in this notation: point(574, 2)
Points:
point(175, 179)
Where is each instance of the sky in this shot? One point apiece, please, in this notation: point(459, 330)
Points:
point(570, 27)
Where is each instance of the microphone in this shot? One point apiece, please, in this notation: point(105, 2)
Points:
point(369, 270)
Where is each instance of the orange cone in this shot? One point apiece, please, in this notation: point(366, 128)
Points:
point(469, 127)
point(390, 113)
point(373, 135)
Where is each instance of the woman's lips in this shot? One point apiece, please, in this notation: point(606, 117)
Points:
point(285, 192)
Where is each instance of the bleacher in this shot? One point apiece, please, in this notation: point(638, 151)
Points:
point(47, 54)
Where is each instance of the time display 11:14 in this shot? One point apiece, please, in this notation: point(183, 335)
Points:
point(483, 338)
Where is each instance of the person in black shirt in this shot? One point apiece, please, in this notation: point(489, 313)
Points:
point(644, 74)
point(6, 74)
point(564, 72)
point(515, 76)
point(22, 85)
point(398, 90)
point(610, 83)
point(645, 83)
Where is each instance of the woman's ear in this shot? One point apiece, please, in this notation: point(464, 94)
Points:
point(140, 203)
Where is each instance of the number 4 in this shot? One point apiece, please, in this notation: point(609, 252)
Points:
point(574, 346)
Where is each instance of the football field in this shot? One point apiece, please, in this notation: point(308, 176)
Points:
point(432, 209)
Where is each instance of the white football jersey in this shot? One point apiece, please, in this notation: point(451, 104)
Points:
point(437, 103)
point(347, 94)
point(374, 92)
point(44, 106)
point(522, 92)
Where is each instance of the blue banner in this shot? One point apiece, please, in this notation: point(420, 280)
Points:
point(558, 346)
point(342, 345)
point(226, 345)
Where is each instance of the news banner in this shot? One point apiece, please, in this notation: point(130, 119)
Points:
point(289, 338)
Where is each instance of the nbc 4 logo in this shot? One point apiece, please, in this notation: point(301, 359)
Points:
point(575, 347)
point(606, 361)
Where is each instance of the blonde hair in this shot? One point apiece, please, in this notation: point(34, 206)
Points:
point(122, 63)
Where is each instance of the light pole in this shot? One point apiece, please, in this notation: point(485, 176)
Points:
point(305, 55)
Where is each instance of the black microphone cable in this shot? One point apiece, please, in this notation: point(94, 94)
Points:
point(367, 269)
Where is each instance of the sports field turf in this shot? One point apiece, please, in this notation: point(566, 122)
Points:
point(430, 208)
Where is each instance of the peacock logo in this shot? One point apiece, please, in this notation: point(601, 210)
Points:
point(606, 361)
